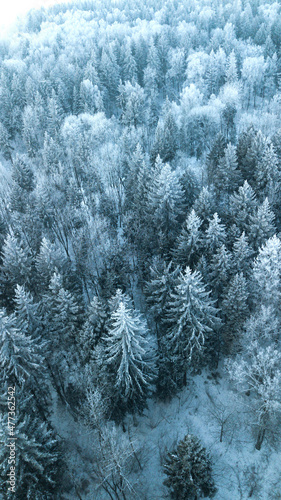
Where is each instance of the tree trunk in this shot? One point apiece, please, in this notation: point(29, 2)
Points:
point(260, 438)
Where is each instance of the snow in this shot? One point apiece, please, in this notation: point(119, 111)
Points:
point(198, 409)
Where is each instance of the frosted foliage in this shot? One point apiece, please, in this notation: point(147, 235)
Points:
point(260, 372)
point(190, 238)
point(215, 233)
point(263, 326)
point(18, 353)
point(167, 195)
point(126, 350)
point(192, 315)
point(266, 272)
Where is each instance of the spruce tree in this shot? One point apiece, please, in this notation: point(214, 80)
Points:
point(267, 274)
point(60, 312)
point(262, 225)
point(235, 310)
point(17, 262)
point(215, 234)
point(159, 288)
point(165, 204)
point(189, 471)
point(189, 242)
point(242, 253)
point(214, 156)
point(93, 328)
point(192, 316)
point(220, 270)
point(19, 353)
point(129, 361)
point(228, 178)
point(28, 318)
point(37, 458)
point(243, 206)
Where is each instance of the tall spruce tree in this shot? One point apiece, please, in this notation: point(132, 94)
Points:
point(193, 318)
point(128, 360)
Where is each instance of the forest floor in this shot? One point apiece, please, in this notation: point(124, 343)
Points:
point(208, 408)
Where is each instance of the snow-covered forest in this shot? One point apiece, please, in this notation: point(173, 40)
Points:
point(140, 240)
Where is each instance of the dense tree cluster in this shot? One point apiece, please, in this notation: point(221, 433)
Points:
point(139, 210)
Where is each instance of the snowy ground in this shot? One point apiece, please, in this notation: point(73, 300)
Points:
point(240, 471)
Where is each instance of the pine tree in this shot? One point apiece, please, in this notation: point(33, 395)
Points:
point(192, 315)
point(243, 206)
point(262, 225)
point(37, 458)
point(119, 298)
point(166, 140)
point(23, 174)
point(93, 328)
point(228, 177)
point(60, 312)
point(129, 361)
point(267, 274)
point(19, 353)
point(5, 146)
point(205, 205)
point(189, 242)
point(220, 270)
point(215, 234)
point(267, 175)
point(246, 161)
point(49, 258)
point(165, 204)
point(235, 310)
point(189, 471)
point(27, 313)
point(231, 72)
point(17, 265)
point(242, 253)
point(128, 64)
point(159, 288)
point(214, 156)
point(250, 148)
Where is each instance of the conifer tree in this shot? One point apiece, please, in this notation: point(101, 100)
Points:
point(166, 140)
point(189, 471)
point(228, 177)
point(93, 328)
point(242, 253)
point(243, 206)
point(205, 205)
point(60, 311)
point(192, 315)
point(49, 258)
point(267, 174)
point(262, 226)
point(16, 267)
point(214, 156)
point(220, 270)
point(27, 313)
point(19, 353)
point(235, 310)
point(129, 361)
point(5, 146)
point(189, 242)
point(267, 273)
point(160, 286)
point(37, 458)
point(215, 234)
point(165, 204)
